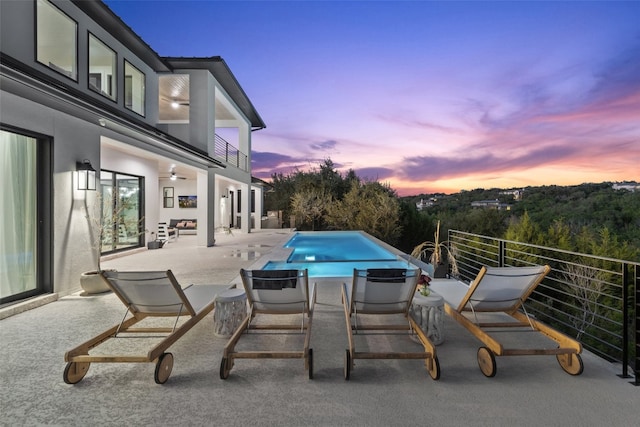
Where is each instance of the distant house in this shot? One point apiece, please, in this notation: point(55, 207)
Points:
point(491, 204)
point(423, 204)
point(629, 186)
point(516, 193)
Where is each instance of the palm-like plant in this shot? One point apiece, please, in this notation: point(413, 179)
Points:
point(436, 252)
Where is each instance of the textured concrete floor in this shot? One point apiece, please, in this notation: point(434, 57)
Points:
point(528, 390)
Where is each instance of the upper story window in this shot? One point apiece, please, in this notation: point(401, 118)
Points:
point(133, 88)
point(56, 40)
point(102, 68)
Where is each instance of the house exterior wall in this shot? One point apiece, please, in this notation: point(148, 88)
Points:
point(70, 114)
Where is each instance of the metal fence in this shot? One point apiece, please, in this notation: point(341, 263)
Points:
point(593, 299)
point(230, 154)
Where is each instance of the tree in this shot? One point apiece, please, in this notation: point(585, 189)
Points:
point(370, 207)
point(523, 230)
point(310, 206)
point(416, 226)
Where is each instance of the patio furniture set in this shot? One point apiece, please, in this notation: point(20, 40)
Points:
point(376, 302)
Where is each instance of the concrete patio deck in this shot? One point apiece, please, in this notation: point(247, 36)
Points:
point(527, 390)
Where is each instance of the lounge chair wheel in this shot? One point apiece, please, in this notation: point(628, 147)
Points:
point(347, 365)
point(224, 369)
point(434, 372)
point(74, 372)
point(487, 362)
point(310, 362)
point(571, 363)
point(163, 368)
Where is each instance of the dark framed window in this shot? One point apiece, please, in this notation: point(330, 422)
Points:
point(102, 68)
point(167, 197)
point(134, 88)
point(56, 40)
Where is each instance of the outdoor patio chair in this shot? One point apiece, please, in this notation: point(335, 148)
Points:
point(165, 233)
point(375, 293)
point(274, 297)
point(492, 309)
point(146, 294)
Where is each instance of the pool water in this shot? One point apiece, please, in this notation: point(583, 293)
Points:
point(335, 254)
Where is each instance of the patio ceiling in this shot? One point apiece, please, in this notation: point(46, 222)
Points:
point(174, 88)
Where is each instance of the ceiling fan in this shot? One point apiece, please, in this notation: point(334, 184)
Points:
point(173, 176)
point(175, 102)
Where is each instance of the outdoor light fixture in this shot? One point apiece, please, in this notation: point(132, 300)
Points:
point(175, 105)
point(86, 175)
point(173, 176)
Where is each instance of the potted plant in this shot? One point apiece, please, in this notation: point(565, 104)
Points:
point(438, 254)
point(154, 243)
point(423, 285)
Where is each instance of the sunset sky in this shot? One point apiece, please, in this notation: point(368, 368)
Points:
point(426, 96)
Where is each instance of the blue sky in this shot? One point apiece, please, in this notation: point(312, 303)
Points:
point(427, 96)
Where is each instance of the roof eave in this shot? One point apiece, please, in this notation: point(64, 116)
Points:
point(100, 12)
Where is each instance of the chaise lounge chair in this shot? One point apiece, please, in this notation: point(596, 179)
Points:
point(146, 294)
point(493, 305)
point(273, 297)
point(384, 292)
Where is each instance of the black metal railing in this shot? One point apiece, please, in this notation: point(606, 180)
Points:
point(593, 299)
point(230, 154)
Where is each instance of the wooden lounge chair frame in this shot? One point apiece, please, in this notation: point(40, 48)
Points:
point(369, 295)
point(273, 293)
point(463, 303)
point(145, 294)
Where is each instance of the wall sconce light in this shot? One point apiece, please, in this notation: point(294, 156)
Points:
point(86, 175)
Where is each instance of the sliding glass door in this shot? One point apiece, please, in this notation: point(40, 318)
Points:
point(24, 223)
point(122, 208)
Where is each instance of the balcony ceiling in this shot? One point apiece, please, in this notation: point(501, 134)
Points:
point(175, 87)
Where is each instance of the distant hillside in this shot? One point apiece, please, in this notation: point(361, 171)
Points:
point(610, 205)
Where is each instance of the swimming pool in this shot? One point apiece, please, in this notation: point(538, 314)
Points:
point(336, 254)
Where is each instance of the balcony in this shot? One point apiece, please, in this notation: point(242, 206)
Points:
point(230, 154)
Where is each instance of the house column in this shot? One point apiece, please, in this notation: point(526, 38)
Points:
point(245, 214)
point(206, 190)
point(257, 214)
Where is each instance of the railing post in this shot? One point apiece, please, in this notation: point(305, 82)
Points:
point(625, 321)
point(636, 285)
point(501, 250)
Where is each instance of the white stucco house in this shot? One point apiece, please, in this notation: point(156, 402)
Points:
point(168, 139)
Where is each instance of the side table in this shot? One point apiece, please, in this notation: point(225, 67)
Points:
point(230, 311)
point(428, 312)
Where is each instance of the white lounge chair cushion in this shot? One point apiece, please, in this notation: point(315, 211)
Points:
point(501, 288)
